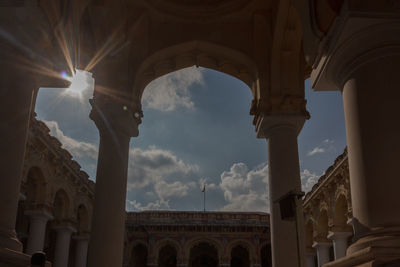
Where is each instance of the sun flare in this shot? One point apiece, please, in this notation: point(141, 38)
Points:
point(80, 81)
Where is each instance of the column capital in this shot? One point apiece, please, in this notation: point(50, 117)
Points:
point(39, 214)
point(339, 235)
point(112, 115)
point(355, 39)
point(81, 237)
point(64, 228)
point(271, 124)
point(318, 245)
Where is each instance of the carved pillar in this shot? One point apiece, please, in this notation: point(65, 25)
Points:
point(116, 123)
point(363, 60)
point(63, 241)
point(339, 240)
point(287, 235)
point(322, 252)
point(37, 230)
point(310, 259)
point(82, 242)
point(16, 91)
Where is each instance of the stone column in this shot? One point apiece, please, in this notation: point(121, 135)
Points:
point(81, 248)
point(310, 259)
point(16, 91)
point(117, 123)
point(322, 252)
point(363, 63)
point(287, 236)
point(63, 241)
point(37, 230)
point(339, 240)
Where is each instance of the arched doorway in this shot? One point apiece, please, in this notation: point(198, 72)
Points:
point(167, 256)
point(340, 216)
point(203, 255)
point(36, 187)
point(240, 257)
point(61, 207)
point(139, 256)
point(83, 219)
point(266, 256)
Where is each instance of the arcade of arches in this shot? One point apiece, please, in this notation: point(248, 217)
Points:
point(56, 203)
point(352, 46)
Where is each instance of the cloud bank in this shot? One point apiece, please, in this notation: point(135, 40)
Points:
point(171, 91)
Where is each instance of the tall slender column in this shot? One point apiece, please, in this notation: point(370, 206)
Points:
point(82, 242)
point(364, 64)
point(16, 91)
point(322, 252)
point(310, 259)
point(117, 123)
point(37, 230)
point(284, 179)
point(63, 241)
point(339, 240)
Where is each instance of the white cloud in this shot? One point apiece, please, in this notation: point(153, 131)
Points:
point(245, 190)
point(78, 149)
point(174, 189)
point(326, 145)
point(151, 166)
point(308, 179)
point(156, 205)
point(172, 90)
point(316, 150)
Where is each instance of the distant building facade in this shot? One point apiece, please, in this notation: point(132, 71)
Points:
point(328, 215)
point(195, 239)
point(56, 202)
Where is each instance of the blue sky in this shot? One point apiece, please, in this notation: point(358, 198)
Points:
point(197, 128)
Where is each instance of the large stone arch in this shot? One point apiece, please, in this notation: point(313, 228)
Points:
point(245, 244)
point(204, 253)
point(265, 254)
point(340, 214)
point(240, 256)
point(138, 254)
point(168, 242)
point(196, 53)
point(61, 205)
point(167, 256)
point(214, 242)
point(323, 226)
point(83, 219)
point(37, 187)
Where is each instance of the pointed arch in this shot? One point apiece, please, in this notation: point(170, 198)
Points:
point(195, 53)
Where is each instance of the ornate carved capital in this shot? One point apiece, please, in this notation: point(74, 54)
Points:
point(355, 39)
point(112, 116)
point(268, 125)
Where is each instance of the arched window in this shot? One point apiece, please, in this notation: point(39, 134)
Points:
point(139, 256)
point(167, 256)
point(61, 205)
point(266, 256)
point(203, 255)
point(83, 219)
point(340, 216)
point(240, 257)
point(36, 187)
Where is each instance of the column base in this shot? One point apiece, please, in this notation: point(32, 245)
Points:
point(369, 257)
point(10, 258)
point(9, 240)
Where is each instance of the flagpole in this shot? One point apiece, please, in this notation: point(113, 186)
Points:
point(204, 195)
point(204, 198)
